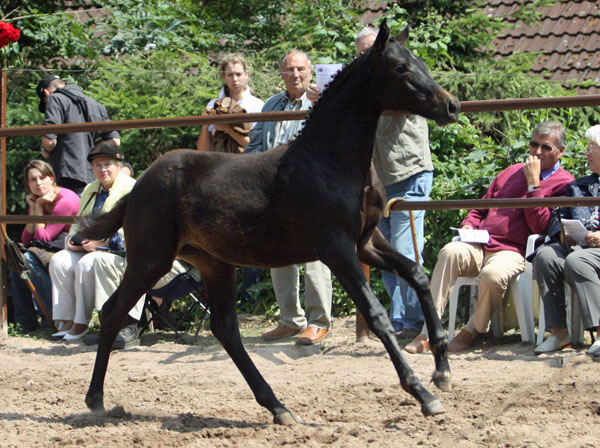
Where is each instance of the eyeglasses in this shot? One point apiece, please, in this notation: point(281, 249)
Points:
point(301, 71)
point(103, 166)
point(591, 147)
point(535, 145)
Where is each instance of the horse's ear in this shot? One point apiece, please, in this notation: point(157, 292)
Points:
point(402, 37)
point(382, 36)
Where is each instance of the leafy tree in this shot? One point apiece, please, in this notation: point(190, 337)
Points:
point(158, 58)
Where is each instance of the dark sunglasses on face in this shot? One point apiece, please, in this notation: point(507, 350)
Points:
point(535, 145)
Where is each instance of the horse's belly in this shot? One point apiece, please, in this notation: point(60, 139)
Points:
point(247, 248)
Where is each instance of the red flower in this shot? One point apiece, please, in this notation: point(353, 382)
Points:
point(8, 34)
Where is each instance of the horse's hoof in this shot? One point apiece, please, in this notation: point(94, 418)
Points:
point(362, 339)
point(442, 380)
point(432, 408)
point(285, 418)
point(95, 403)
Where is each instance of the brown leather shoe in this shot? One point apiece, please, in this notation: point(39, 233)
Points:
point(279, 332)
point(462, 341)
point(311, 335)
point(418, 344)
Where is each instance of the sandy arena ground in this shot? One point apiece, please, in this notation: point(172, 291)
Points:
point(166, 394)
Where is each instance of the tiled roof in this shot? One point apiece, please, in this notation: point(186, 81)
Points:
point(567, 37)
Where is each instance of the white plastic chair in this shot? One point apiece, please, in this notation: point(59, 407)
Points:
point(574, 324)
point(521, 287)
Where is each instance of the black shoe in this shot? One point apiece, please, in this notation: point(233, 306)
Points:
point(91, 339)
point(127, 337)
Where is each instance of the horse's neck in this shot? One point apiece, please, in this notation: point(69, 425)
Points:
point(342, 130)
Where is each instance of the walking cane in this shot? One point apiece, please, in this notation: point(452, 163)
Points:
point(25, 276)
point(413, 230)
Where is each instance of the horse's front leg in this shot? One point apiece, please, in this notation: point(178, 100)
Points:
point(112, 318)
point(221, 290)
point(340, 255)
point(379, 253)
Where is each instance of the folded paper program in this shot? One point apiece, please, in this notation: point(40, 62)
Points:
point(473, 235)
point(576, 230)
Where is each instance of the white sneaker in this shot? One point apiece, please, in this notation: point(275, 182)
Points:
point(594, 349)
point(552, 344)
point(73, 337)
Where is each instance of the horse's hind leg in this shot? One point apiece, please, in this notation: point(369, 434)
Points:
point(139, 277)
point(378, 252)
point(340, 256)
point(221, 289)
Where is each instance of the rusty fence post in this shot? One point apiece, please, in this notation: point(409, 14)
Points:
point(3, 271)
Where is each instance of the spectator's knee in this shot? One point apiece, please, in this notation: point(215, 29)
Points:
point(449, 251)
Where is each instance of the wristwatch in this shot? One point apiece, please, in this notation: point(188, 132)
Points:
point(532, 187)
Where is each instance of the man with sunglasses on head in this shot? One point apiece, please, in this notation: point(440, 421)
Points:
point(503, 256)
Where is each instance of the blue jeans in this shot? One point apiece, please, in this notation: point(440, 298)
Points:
point(25, 310)
point(405, 310)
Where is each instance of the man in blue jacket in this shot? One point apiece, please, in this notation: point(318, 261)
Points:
point(315, 322)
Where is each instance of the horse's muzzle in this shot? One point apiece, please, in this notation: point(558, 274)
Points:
point(451, 108)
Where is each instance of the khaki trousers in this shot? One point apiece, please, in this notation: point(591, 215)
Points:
point(317, 297)
point(494, 269)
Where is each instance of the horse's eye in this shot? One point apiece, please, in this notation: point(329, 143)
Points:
point(401, 68)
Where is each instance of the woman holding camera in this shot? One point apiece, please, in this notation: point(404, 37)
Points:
point(70, 268)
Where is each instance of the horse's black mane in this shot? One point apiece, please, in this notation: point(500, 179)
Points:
point(342, 76)
point(336, 84)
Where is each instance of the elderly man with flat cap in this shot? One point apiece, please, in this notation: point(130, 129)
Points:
point(67, 153)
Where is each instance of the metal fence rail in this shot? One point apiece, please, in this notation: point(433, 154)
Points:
point(452, 204)
point(466, 107)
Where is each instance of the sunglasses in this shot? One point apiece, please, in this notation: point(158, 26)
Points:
point(535, 145)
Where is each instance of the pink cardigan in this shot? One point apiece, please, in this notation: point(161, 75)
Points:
point(67, 204)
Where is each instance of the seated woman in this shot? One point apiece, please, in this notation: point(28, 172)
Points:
point(107, 274)
point(235, 75)
point(44, 198)
point(578, 264)
point(69, 268)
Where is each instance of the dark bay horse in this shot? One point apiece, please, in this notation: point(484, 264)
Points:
point(317, 199)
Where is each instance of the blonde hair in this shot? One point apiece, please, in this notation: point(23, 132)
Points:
point(593, 134)
point(40, 165)
point(232, 58)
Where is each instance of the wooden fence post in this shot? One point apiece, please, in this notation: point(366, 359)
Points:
point(3, 271)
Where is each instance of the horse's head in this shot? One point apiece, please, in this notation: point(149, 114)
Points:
point(403, 82)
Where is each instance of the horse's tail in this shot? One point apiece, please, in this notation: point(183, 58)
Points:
point(100, 226)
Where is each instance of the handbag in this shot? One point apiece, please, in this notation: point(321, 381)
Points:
point(44, 250)
point(15, 260)
point(42, 254)
point(55, 245)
